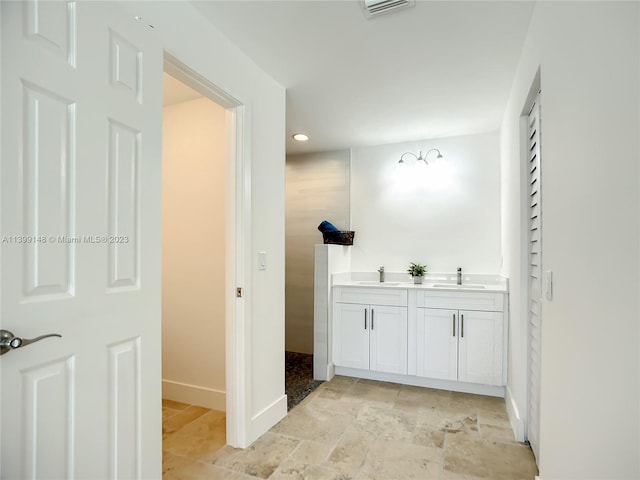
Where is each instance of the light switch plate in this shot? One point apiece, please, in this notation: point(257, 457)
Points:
point(262, 260)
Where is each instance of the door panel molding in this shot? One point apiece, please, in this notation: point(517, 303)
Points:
point(48, 166)
point(48, 446)
point(124, 409)
point(123, 206)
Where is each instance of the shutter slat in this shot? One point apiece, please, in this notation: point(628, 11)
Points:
point(535, 223)
point(533, 190)
point(534, 235)
point(534, 199)
point(535, 211)
point(534, 259)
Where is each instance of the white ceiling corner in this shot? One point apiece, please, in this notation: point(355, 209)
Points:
point(174, 91)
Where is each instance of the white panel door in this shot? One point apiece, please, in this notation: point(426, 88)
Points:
point(437, 343)
point(80, 223)
point(388, 339)
point(351, 335)
point(480, 347)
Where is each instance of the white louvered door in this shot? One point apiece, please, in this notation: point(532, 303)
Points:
point(535, 275)
point(80, 210)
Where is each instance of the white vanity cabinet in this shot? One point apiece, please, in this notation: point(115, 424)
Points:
point(460, 336)
point(370, 329)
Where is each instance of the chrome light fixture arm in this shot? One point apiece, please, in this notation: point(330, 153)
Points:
point(408, 153)
point(420, 157)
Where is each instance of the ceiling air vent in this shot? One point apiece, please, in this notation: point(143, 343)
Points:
point(372, 8)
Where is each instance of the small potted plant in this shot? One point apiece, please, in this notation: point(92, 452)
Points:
point(417, 271)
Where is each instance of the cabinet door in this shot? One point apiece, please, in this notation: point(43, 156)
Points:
point(388, 339)
point(480, 347)
point(437, 343)
point(351, 325)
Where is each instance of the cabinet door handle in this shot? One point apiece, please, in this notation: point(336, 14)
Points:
point(454, 324)
point(462, 325)
point(365, 318)
point(372, 319)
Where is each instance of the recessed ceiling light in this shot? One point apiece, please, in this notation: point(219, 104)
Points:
point(300, 137)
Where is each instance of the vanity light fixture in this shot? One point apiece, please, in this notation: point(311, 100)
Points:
point(300, 137)
point(419, 157)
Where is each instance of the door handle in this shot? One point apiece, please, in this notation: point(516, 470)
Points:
point(454, 324)
point(365, 318)
point(8, 341)
point(462, 325)
point(372, 318)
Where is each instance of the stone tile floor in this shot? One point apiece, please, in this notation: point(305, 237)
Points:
point(355, 429)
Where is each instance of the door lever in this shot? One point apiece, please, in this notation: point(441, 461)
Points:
point(8, 341)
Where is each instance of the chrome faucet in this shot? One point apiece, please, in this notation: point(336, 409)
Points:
point(381, 272)
point(459, 276)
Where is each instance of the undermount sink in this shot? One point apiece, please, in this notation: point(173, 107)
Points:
point(378, 283)
point(451, 285)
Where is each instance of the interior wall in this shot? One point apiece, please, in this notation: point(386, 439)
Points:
point(588, 57)
point(193, 253)
point(258, 370)
point(446, 216)
point(317, 189)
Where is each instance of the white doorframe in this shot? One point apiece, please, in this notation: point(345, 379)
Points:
point(237, 247)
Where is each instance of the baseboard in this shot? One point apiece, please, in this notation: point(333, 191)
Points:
point(331, 371)
point(194, 395)
point(323, 372)
point(516, 420)
point(491, 390)
point(267, 418)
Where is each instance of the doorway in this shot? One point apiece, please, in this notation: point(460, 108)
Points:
point(193, 268)
point(533, 238)
point(221, 202)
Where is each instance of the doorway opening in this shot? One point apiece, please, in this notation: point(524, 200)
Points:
point(202, 259)
point(533, 252)
point(193, 266)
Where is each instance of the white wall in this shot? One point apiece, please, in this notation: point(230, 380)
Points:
point(194, 158)
point(317, 189)
point(187, 35)
point(588, 55)
point(447, 218)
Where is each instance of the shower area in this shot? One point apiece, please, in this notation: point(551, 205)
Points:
point(317, 188)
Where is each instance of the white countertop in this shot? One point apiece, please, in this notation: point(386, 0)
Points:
point(472, 282)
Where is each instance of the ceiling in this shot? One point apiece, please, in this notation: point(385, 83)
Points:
point(437, 69)
point(174, 91)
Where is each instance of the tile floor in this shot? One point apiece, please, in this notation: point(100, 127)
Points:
point(189, 434)
point(355, 429)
